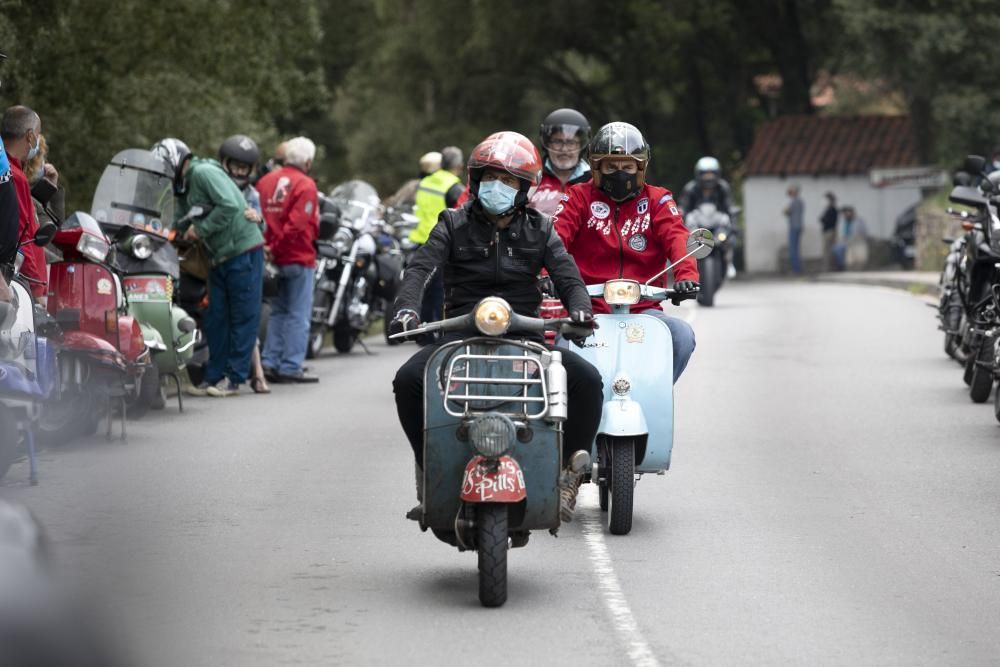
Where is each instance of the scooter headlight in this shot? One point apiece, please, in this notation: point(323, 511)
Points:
point(492, 434)
point(493, 316)
point(621, 292)
point(621, 386)
point(92, 247)
point(141, 246)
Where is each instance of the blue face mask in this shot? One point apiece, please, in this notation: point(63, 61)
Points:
point(497, 197)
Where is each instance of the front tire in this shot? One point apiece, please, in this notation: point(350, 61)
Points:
point(621, 476)
point(981, 382)
point(491, 544)
point(317, 332)
point(77, 414)
point(709, 281)
point(343, 338)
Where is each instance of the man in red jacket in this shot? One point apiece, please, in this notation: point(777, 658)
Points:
point(291, 212)
point(618, 226)
point(20, 130)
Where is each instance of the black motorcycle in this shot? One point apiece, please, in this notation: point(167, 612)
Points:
point(357, 272)
point(712, 270)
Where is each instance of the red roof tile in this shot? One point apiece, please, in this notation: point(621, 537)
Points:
point(811, 145)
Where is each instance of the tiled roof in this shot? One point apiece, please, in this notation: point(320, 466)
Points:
point(811, 145)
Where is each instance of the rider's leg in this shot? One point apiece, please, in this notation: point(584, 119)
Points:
point(683, 339)
point(408, 386)
point(586, 399)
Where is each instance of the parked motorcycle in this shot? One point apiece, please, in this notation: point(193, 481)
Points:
point(357, 273)
point(27, 366)
point(712, 270)
point(102, 351)
point(951, 312)
point(633, 352)
point(494, 409)
point(134, 204)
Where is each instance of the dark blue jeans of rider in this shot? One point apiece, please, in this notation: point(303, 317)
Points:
point(586, 399)
point(230, 324)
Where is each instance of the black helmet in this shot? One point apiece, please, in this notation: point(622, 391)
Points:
point(567, 121)
point(239, 148)
point(174, 153)
point(616, 140)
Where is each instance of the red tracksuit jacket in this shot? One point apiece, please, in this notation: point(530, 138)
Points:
point(291, 210)
point(631, 239)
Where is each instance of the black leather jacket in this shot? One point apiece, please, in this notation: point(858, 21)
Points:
point(480, 260)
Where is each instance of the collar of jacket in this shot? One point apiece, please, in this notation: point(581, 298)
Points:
point(479, 217)
point(581, 172)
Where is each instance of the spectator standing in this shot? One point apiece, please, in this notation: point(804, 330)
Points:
point(828, 222)
point(851, 250)
point(21, 130)
point(291, 214)
point(236, 250)
point(794, 212)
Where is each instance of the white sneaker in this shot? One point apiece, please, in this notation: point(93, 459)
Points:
point(223, 388)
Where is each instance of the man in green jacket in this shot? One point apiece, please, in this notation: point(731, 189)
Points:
point(236, 248)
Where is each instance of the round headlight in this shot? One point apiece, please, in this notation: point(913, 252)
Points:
point(492, 434)
point(493, 316)
point(621, 386)
point(141, 246)
point(722, 236)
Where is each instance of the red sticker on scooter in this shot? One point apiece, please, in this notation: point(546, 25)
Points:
point(486, 484)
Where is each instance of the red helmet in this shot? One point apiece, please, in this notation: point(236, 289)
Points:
point(506, 151)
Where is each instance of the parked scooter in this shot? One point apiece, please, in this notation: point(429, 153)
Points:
point(27, 366)
point(494, 409)
point(360, 272)
point(134, 205)
point(102, 352)
point(712, 270)
point(633, 352)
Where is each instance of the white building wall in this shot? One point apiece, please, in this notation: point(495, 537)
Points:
point(764, 199)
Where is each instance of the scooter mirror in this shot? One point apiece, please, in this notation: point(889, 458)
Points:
point(700, 243)
point(45, 234)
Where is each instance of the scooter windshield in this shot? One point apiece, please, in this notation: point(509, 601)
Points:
point(135, 190)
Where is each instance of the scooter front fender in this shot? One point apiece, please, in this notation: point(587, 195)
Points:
point(499, 483)
point(623, 417)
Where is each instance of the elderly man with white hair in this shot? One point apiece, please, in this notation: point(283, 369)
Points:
point(291, 211)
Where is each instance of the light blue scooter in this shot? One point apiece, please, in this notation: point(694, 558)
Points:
point(633, 352)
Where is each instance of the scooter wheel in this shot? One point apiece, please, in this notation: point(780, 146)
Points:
point(622, 479)
point(491, 543)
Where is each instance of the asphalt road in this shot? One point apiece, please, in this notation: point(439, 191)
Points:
point(833, 500)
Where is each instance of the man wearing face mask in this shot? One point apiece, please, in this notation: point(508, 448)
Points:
point(564, 136)
point(495, 245)
point(618, 226)
point(21, 130)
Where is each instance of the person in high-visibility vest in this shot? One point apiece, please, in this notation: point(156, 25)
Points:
point(436, 192)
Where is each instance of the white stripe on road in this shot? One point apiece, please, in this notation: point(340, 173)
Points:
point(639, 652)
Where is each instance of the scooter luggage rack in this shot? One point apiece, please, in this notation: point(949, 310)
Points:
point(465, 381)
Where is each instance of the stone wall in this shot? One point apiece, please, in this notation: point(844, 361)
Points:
point(933, 224)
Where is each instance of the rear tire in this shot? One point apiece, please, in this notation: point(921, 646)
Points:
point(74, 415)
point(622, 479)
point(982, 376)
point(491, 544)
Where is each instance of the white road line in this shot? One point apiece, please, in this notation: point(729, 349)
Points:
point(639, 652)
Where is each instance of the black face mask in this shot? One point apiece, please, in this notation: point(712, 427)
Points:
point(620, 185)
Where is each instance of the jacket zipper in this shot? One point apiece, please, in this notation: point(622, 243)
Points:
point(621, 248)
point(496, 242)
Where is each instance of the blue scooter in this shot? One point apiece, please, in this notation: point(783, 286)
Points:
point(633, 352)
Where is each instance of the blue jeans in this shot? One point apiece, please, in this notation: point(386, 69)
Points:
point(288, 328)
point(683, 339)
point(794, 250)
point(230, 324)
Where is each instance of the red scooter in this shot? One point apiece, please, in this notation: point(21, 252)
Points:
point(102, 354)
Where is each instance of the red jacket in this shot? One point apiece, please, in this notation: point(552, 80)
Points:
point(291, 210)
point(631, 239)
point(34, 256)
point(550, 191)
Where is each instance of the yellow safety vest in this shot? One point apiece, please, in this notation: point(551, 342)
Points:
point(430, 201)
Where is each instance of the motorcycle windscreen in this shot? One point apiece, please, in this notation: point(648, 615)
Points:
point(135, 191)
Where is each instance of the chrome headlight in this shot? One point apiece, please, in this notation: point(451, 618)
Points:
point(343, 239)
point(493, 316)
point(621, 292)
point(92, 247)
point(492, 434)
point(141, 246)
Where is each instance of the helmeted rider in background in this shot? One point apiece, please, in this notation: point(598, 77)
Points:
point(618, 226)
point(240, 157)
point(495, 245)
point(564, 136)
point(707, 186)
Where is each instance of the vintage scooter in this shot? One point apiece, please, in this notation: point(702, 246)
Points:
point(27, 366)
point(494, 412)
point(102, 352)
point(134, 204)
point(633, 352)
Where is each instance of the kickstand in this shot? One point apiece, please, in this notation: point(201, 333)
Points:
point(29, 436)
point(361, 342)
point(180, 399)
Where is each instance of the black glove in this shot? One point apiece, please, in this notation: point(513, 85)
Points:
point(582, 325)
point(405, 320)
point(546, 286)
point(685, 289)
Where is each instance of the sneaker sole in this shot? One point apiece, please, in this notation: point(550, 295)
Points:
point(219, 393)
